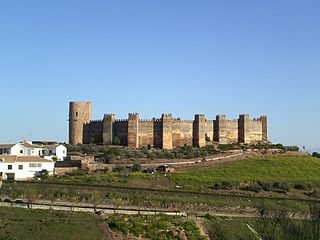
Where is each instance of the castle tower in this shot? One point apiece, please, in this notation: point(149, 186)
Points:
point(133, 128)
point(199, 132)
point(167, 131)
point(108, 129)
point(220, 129)
point(264, 128)
point(79, 114)
point(244, 131)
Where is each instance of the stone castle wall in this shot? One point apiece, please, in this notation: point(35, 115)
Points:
point(93, 132)
point(166, 132)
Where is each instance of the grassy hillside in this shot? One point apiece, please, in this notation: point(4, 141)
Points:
point(200, 177)
point(16, 223)
point(283, 169)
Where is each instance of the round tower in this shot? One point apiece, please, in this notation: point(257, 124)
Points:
point(79, 114)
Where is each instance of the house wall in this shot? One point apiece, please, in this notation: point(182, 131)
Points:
point(27, 171)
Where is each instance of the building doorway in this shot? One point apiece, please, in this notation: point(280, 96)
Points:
point(10, 176)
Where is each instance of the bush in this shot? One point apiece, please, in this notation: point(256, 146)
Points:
point(136, 167)
point(316, 154)
point(303, 186)
point(292, 148)
point(190, 155)
point(138, 154)
point(225, 185)
point(160, 154)
point(254, 187)
point(226, 147)
point(179, 155)
point(119, 226)
point(210, 149)
point(116, 140)
point(281, 186)
point(266, 186)
point(151, 155)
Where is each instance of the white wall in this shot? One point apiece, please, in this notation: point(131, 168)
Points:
point(27, 171)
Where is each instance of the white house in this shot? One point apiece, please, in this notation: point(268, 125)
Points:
point(21, 149)
point(28, 149)
point(23, 167)
point(57, 150)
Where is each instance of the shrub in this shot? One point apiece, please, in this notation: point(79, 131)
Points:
point(292, 148)
point(210, 217)
point(303, 186)
point(281, 186)
point(266, 186)
point(138, 154)
point(210, 149)
point(226, 147)
point(160, 154)
point(254, 187)
point(225, 185)
point(316, 154)
point(179, 155)
point(136, 167)
point(151, 155)
point(119, 226)
point(190, 155)
point(116, 140)
point(278, 146)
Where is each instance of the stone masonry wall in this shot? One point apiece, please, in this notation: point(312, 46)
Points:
point(146, 133)
point(167, 131)
point(232, 131)
point(92, 132)
point(121, 131)
point(209, 125)
point(133, 129)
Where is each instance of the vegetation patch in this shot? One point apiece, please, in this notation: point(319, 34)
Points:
point(17, 223)
point(155, 227)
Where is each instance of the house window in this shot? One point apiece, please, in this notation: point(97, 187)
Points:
point(34, 165)
point(21, 151)
point(20, 167)
point(76, 114)
point(50, 151)
point(9, 167)
point(1, 174)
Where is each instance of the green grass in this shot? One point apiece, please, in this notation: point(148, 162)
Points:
point(134, 189)
point(230, 228)
point(199, 177)
point(16, 223)
point(274, 169)
point(155, 227)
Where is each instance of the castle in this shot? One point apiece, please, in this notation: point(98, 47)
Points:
point(165, 132)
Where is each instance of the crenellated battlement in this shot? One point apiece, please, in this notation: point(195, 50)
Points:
point(146, 120)
point(121, 120)
point(96, 121)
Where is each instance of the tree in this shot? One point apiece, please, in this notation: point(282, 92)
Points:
point(136, 167)
point(43, 174)
point(116, 140)
point(276, 224)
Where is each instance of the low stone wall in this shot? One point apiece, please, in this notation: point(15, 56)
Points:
point(98, 166)
point(58, 171)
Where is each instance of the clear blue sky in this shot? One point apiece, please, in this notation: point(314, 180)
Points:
point(182, 57)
